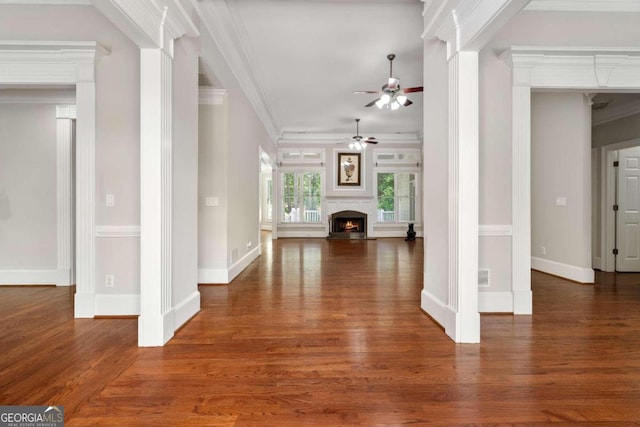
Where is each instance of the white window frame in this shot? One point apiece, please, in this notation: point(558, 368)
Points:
point(418, 196)
point(300, 171)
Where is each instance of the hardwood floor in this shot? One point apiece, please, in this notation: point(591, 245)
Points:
point(330, 333)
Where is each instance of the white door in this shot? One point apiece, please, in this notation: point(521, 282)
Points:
point(628, 219)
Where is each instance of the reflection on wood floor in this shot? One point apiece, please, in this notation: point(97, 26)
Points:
point(330, 333)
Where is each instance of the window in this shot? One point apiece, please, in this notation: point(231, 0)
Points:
point(396, 197)
point(301, 197)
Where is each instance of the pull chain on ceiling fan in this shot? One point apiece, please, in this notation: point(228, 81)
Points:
point(392, 96)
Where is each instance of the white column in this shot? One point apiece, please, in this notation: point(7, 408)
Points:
point(463, 198)
point(85, 190)
point(521, 199)
point(65, 114)
point(155, 325)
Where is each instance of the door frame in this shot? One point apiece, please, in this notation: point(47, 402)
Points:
point(608, 154)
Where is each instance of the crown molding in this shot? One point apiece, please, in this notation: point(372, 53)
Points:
point(211, 96)
point(615, 112)
point(149, 23)
point(469, 24)
point(584, 5)
point(219, 21)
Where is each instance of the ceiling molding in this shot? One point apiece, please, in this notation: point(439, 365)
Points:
point(584, 5)
point(470, 24)
point(149, 23)
point(615, 112)
point(218, 19)
point(584, 67)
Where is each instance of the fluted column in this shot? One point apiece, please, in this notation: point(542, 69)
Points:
point(65, 115)
point(155, 325)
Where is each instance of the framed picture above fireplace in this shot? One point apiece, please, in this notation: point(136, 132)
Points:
point(349, 169)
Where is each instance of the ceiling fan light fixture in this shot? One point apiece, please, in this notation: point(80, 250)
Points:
point(352, 146)
point(379, 103)
point(385, 98)
point(401, 99)
point(395, 105)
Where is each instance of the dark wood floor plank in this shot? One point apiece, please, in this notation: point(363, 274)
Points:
point(330, 333)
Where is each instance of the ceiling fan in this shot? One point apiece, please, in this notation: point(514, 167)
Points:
point(359, 142)
point(392, 95)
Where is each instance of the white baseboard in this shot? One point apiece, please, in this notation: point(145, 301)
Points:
point(309, 234)
point(117, 305)
point(224, 275)
point(566, 271)
point(28, 277)
point(598, 263)
point(237, 267)
point(434, 307)
point(495, 302)
point(213, 276)
point(186, 309)
point(64, 277)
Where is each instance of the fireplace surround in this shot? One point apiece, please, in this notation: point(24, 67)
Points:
point(348, 225)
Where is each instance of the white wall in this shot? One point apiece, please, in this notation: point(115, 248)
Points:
point(28, 208)
point(561, 185)
point(117, 131)
point(212, 182)
point(245, 134)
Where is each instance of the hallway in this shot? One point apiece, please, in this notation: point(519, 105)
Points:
point(330, 333)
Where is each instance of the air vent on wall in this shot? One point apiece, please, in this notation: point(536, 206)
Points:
point(483, 278)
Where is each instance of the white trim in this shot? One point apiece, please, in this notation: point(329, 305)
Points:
point(486, 230)
point(223, 276)
point(64, 196)
point(118, 231)
point(28, 277)
point(117, 305)
point(295, 138)
point(435, 308)
point(186, 309)
point(237, 267)
point(584, 6)
point(284, 233)
point(213, 276)
point(68, 62)
point(607, 189)
point(231, 40)
point(211, 96)
point(571, 272)
point(495, 302)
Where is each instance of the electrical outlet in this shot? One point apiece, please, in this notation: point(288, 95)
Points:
point(109, 200)
point(109, 280)
point(249, 243)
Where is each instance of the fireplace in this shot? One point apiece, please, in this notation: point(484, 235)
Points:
point(348, 225)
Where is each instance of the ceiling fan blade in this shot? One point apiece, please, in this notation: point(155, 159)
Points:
point(372, 103)
point(407, 103)
point(371, 140)
point(393, 83)
point(412, 89)
point(365, 91)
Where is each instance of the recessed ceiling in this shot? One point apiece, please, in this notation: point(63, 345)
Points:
point(308, 56)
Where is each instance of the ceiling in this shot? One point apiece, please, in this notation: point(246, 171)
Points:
point(306, 57)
